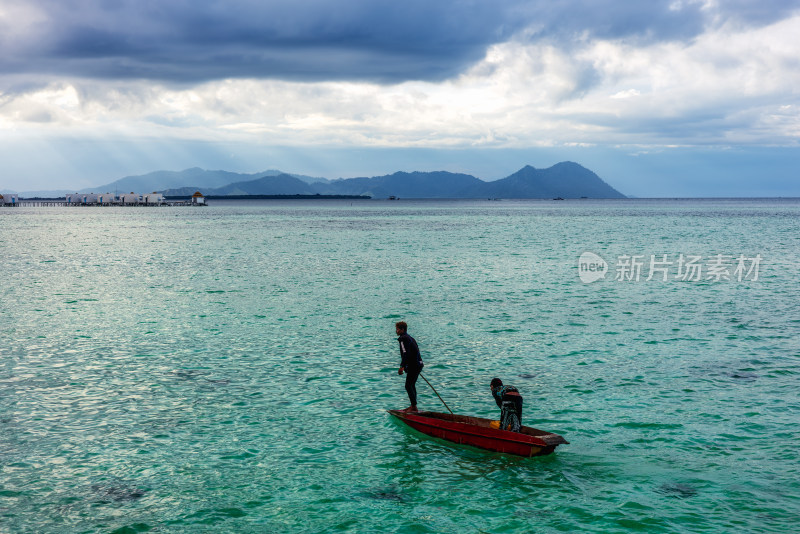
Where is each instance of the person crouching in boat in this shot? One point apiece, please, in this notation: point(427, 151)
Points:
point(509, 401)
point(410, 362)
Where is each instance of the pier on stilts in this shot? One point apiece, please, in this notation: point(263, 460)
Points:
point(91, 200)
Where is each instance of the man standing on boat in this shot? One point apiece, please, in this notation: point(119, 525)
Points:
point(410, 362)
point(509, 401)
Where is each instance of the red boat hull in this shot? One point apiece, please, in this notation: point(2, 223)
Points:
point(477, 432)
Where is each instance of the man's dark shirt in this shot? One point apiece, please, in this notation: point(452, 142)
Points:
point(510, 407)
point(411, 360)
point(500, 392)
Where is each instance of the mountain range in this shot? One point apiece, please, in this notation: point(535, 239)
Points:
point(194, 179)
point(564, 180)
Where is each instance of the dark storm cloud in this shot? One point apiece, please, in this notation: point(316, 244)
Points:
point(304, 40)
point(313, 40)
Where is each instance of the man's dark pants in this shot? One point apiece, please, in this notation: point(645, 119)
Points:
point(411, 385)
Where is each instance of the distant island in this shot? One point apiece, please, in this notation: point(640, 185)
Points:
point(561, 181)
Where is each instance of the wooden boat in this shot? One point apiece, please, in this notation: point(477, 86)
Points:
point(478, 432)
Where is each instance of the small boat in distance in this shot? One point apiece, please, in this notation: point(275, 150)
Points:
point(478, 432)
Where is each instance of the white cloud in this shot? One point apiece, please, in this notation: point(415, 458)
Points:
point(727, 86)
point(19, 20)
point(628, 93)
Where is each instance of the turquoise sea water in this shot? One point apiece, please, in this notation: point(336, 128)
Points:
point(227, 369)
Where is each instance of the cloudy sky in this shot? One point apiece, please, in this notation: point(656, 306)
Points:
point(660, 98)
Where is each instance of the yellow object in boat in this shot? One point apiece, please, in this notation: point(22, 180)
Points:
point(494, 424)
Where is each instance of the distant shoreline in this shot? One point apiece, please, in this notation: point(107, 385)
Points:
point(364, 197)
point(236, 197)
point(275, 197)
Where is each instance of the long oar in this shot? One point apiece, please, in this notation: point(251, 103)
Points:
point(437, 394)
